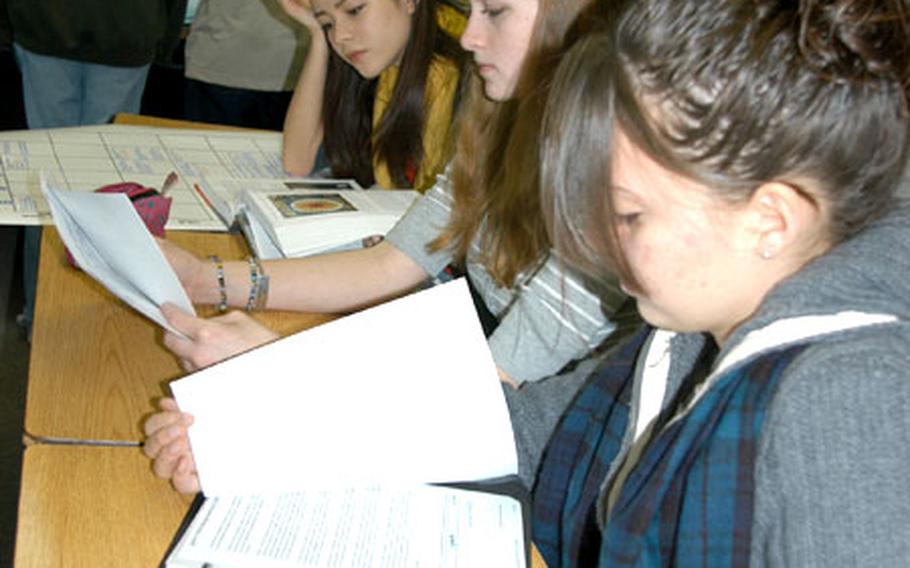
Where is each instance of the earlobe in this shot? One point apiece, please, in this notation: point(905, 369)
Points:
point(783, 216)
point(411, 6)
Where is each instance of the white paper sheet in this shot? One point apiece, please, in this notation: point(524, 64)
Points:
point(110, 242)
point(405, 392)
point(363, 527)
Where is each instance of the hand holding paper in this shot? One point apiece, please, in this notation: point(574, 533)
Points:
point(168, 445)
point(319, 444)
point(109, 241)
point(202, 342)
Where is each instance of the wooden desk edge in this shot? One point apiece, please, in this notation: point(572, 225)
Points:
point(145, 120)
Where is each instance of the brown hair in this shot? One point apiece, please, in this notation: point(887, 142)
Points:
point(495, 169)
point(733, 95)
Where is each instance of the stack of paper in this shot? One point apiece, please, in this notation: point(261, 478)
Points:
point(302, 222)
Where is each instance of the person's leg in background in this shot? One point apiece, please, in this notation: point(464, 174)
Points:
point(51, 89)
point(218, 104)
point(59, 92)
point(52, 95)
point(214, 104)
point(268, 109)
point(108, 90)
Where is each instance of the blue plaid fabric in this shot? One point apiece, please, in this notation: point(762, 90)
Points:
point(688, 501)
point(579, 454)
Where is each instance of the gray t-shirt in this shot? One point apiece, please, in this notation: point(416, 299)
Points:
point(545, 321)
point(245, 44)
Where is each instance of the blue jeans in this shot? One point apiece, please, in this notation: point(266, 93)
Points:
point(60, 92)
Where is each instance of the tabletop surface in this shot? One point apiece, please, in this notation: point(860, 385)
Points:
point(96, 364)
point(67, 516)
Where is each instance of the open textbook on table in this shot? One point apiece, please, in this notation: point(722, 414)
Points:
point(300, 217)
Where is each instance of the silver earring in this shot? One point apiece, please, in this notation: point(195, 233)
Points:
point(767, 254)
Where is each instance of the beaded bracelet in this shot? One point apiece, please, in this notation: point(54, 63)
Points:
point(222, 290)
point(259, 286)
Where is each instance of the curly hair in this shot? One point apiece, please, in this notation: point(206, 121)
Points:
point(732, 94)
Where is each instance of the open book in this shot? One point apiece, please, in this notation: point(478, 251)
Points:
point(316, 450)
point(362, 527)
point(300, 217)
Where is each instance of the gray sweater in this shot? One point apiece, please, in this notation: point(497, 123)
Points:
point(833, 468)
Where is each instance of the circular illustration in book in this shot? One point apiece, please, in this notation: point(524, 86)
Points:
point(300, 205)
point(316, 205)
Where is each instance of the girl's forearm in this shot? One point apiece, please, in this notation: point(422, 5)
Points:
point(329, 283)
point(303, 122)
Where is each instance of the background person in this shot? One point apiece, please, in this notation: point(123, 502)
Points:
point(378, 90)
point(82, 63)
point(242, 60)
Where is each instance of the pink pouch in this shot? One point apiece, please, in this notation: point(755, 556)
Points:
point(153, 208)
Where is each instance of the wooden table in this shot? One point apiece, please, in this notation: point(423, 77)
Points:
point(96, 367)
point(96, 364)
point(93, 506)
point(142, 120)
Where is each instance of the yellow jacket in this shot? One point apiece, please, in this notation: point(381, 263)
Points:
point(439, 97)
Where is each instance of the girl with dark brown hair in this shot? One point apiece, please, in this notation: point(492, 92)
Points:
point(735, 162)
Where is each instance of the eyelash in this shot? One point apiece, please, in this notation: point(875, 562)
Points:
point(351, 12)
point(628, 218)
point(492, 12)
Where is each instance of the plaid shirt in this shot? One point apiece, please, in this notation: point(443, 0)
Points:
point(579, 456)
point(688, 500)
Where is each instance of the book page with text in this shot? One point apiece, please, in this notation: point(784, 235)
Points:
point(364, 527)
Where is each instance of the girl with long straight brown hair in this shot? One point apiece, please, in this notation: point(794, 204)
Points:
point(542, 317)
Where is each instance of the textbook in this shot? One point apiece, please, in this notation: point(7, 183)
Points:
point(224, 196)
point(301, 217)
point(306, 222)
point(327, 447)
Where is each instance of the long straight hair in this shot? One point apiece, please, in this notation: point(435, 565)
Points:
point(351, 145)
point(495, 170)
